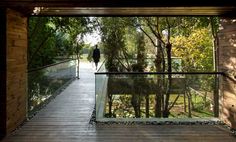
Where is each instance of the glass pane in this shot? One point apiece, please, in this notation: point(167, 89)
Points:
point(47, 82)
point(150, 95)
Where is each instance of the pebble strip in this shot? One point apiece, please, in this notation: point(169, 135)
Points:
point(94, 122)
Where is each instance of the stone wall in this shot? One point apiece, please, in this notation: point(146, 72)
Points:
point(227, 64)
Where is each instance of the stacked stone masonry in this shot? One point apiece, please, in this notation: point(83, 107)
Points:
point(227, 64)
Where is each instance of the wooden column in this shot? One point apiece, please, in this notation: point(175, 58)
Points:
point(17, 43)
point(2, 73)
point(227, 64)
point(13, 58)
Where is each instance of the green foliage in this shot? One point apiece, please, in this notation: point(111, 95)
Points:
point(141, 54)
point(196, 50)
point(113, 42)
point(40, 37)
point(55, 37)
point(90, 54)
point(45, 84)
point(187, 38)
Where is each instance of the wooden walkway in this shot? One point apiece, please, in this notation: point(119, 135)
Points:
point(66, 119)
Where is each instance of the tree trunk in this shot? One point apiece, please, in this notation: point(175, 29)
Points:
point(205, 99)
point(166, 109)
point(158, 106)
point(189, 105)
point(158, 98)
point(135, 101)
point(110, 105)
point(185, 110)
point(78, 62)
point(147, 106)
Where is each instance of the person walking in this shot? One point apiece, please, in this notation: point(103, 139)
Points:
point(96, 55)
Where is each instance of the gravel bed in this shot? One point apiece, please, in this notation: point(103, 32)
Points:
point(94, 122)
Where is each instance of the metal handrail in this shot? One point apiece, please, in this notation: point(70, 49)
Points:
point(43, 67)
point(221, 73)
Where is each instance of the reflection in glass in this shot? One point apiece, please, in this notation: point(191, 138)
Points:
point(45, 83)
point(140, 96)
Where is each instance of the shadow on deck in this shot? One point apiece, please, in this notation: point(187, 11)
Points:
point(66, 118)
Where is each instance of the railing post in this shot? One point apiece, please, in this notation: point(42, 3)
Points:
point(77, 68)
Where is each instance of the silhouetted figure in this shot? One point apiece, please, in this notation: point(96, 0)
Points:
point(96, 56)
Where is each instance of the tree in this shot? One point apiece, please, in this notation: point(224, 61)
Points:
point(40, 37)
point(113, 39)
point(160, 30)
point(153, 28)
point(118, 37)
point(195, 50)
point(139, 82)
point(51, 37)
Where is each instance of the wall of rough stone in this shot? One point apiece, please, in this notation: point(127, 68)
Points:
point(227, 64)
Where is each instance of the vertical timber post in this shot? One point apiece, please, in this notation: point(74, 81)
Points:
point(2, 73)
point(17, 43)
point(13, 70)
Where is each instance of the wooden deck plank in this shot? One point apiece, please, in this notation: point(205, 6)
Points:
point(66, 119)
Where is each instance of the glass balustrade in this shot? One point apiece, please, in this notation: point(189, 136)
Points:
point(46, 82)
point(131, 95)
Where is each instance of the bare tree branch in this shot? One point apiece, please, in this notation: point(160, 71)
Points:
point(40, 46)
point(152, 30)
point(148, 36)
point(35, 27)
point(122, 64)
point(126, 58)
point(157, 35)
point(168, 29)
point(172, 105)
